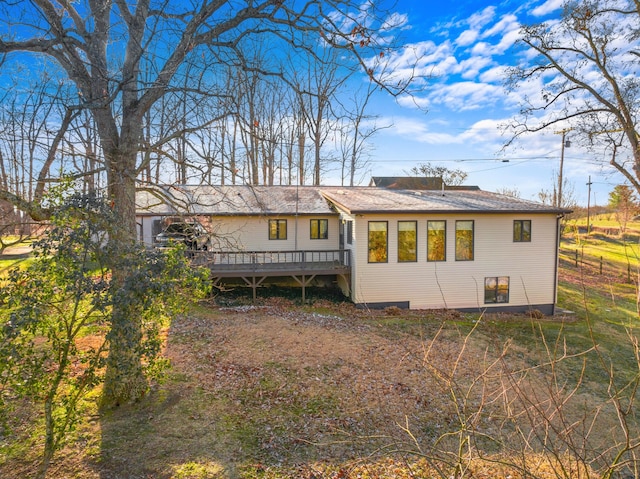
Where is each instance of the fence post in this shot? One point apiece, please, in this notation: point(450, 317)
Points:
point(576, 258)
point(600, 264)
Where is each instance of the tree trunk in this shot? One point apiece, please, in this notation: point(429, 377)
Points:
point(125, 380)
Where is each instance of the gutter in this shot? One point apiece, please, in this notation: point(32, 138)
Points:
point(452, 211)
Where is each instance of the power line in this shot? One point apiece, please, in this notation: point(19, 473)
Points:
point(520, 159)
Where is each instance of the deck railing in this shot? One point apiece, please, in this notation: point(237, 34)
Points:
point(259, 260)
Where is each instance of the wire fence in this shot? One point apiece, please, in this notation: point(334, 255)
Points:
point(626, 266)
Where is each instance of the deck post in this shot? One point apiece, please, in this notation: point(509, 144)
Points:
point(254, 284)
point(304, 298)
point(303, 281)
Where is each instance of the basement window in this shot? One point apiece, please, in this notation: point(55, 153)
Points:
point(496, 289)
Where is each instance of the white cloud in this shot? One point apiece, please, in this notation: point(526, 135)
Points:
point(470, 68)
point(494, 75)
point(414, 101)
point(480, 19)
point(417, 130)
point(547, 7)
point(507, 23)
point(482, 48)
point(476, 22)
point(465, 96)
point(418, 60)
point(467, 38)
point(393, 21)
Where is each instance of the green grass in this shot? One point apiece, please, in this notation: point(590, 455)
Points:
point(605, 220)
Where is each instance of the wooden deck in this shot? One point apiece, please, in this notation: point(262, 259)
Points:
point(254, 267)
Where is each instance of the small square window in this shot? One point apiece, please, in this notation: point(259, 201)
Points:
point(522, 231)
point(496, 289)
point(277, 229)
point(319, 229)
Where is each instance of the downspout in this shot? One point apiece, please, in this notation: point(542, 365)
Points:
point(557, 266)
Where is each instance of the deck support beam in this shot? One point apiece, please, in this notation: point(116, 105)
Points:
point(303, 281)
point(254, 283)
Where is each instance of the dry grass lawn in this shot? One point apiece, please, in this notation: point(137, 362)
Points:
point(280, 390)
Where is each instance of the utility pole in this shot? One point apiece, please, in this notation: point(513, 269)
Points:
point(566, 143)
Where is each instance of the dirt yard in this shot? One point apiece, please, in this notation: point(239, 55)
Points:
point(277, 390)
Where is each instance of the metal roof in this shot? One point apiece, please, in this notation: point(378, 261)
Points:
point(232, 201)
point(360, 200)
point(315, 200)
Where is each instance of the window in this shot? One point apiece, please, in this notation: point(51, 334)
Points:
point(319, 229)
point(464, 240)
point(496, 289)
point(377, 241)
point(349, 232)
point(436, 240)
point(407, 241)
point(522, 231)
point(277, 229)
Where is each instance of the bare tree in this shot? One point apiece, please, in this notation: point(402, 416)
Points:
point(509, 191)
point(122, 59)
point(317, 86)
point(588, 64)
point(550, 197)
point(356, 130)
point(34, 121)
point(449, 177)
point(538, 418)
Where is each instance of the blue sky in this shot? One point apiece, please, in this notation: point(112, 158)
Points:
point(465, 47)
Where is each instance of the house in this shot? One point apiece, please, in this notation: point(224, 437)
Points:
point(259, 233)
point(416, 183)
point(463, 249)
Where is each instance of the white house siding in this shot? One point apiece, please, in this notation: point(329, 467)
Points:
point(251, 233)
point(347, 284)
point(145, 229)
point(530, 266)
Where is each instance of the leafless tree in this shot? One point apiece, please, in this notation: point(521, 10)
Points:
point(317, 86)
point(120, 60)
point(449, 176)
point(538, 419)
point(550, 197)
point(357, 127)
point(586, 70)
point(509, 191)
point(34, 120)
